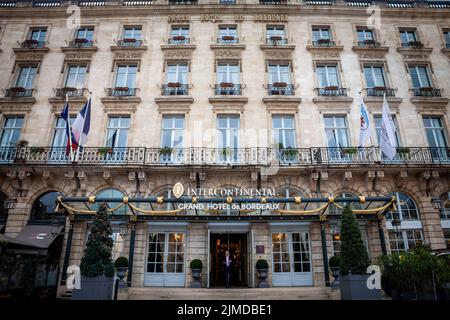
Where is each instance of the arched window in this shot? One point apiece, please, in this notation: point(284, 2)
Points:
point(166, 194)
point(406, 207)
point(111, 193)
point(289, 192)
point(44, 207)
point(332, 209)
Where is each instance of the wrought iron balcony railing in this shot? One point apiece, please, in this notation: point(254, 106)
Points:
point(179, 40)
point(332, 91)
point(418, 156)
point(427, 92)
point(70, 92)
point(369, 44)
point(182, 2)
point(18, 92)
point(33, 44)
point(412, 45)
point(227, 1)
point(380, 91)
point(175, 89)
point(228, 40)
point(280, 89)
point(121, 92)
point(227, 89)
point(276, 40)
point(81, 43)
point(273, 2)
point(129, 43)
point(324, 43)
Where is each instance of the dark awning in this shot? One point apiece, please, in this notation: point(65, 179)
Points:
point(34, 236)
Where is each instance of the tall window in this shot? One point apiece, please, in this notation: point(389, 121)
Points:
point(228, 132)
point(172, 131)
point(177, 73)
point(419, 76)
point(228, 73)
point(132, 32)
point(275, 35)
point(336, 131)
point(75, 76)
point(377, 120)
point(374, 76)
point(86, 33)
point(447, 38)
point(11, 131)
point(406, 208)
point(405, 240)
point(117, 135)
point(364, 35)
point(279, 73)
point(126, 76)
point(25, 78)
point(407, 36)
point(179, 35)
point(435, 132)
point(228, 34)
point(44, 207)
point(59, 133)
point(321, 33)
point(283, 131)
point(291, 252)
point(38, 34)
point(327, 76)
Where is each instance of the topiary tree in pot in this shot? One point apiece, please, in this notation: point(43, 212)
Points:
point(196, 270)
point(97, 268)
point(262, 267)
point(354, 261)
point(121, 265)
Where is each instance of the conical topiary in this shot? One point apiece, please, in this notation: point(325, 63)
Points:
point(354, 256)
point(97, 260)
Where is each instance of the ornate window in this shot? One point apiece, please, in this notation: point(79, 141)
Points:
point(44, 207)
point(406, 208)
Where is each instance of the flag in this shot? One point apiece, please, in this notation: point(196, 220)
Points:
point(364, 126)
point(81, 126)
point(387, 132)
point(65, 115)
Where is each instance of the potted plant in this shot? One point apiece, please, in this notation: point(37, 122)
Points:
point(403, 151)
point(276, 38)
point(279, 84)
point(369, 42)
point(165, 151)
point(289, 153)
point(97, 268)
point(227, 152)
point(228, 38)
point(226, 84)
point(349, 151)
point(335, 266)
point(196, 270)
point(415, 44)
point(331, 88)
point(323, 41)
point(121, 265)
point(179, 38)
point(173, 84)
point(354, 261)
point(262, 267)
point(21, 148)
point(34, 151)
point(104, 150)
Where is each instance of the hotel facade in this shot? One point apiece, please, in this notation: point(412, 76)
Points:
point(226, 95)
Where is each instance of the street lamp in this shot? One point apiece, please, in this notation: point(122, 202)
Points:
point(437, 203)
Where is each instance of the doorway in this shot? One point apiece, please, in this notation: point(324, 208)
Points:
point(236, 243)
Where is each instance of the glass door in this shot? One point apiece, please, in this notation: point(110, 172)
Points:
point(165, 259)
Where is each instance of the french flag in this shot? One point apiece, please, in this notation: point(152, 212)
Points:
point(65, 115)
point(81, 126)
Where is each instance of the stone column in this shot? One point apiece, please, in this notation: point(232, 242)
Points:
point(261, 237)
point(140, 245)
point(431, 222)
point(196, 248)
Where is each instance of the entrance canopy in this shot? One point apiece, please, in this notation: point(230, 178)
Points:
point(34, 236)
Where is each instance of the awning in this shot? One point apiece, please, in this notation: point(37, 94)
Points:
point(34, 236)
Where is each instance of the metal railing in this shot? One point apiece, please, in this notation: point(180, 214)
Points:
point(18, 92)
point(332, 91)
point(273, 2)
point(226, 156)
point(179, 40)
point(70, 92)
point(380, 91)
point(129, 43)
point(182, 2)
point(412, 45)
point(427, 92)
point(369, 44)
point(33, 44)
point(276, 40)
point(324, 43)
point(81, 43)
point(175, 89)
point(121, 92)
point(280, 89)
point(226, 89)
point(227, 40)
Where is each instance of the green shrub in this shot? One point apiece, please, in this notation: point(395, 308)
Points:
point(335, 261)
point(262, 264)
point(196, 264)
point(121, 262)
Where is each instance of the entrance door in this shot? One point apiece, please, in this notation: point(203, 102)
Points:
point(291, 258)
point(165, 259)
point(236, 243)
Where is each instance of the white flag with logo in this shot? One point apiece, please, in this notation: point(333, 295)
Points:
point(365, 128)
point(387, 132)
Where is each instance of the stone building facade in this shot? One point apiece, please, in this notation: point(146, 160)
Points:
point(228, 94)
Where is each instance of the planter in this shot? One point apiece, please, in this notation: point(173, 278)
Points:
point(174, 85)
point(279, 84)
point(97, 288)
point(323, 41)
point(179, 38)
point(335, 272)
point(129, 40)
point(121, 272)
point(332, 88)
point(354, 287)
point(262, 274)
point(196, 273)
point(276, 38)
point(228, 38)
point(226, 85)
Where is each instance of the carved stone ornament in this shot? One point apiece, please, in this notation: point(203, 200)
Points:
point(227, 54)
point(29, 56)
point(278, 54)
point(75, 56)
point(177, 53)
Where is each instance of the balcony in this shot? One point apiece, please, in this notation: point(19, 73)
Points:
point(273, 2)
point(33, 44)
point(126, 43)
point(276, 41)
point(280, 89)
point(324, 43)
point(69, 92)
point(288, 157)
point(182, 2)
point(369, 44)
point(380, 91)
point(175, 89)
point(412, 45)
point(332, 91)
point(227, 2)
point(81, 43)
point(427, 92)
point(18, 92)
point(179, 40)
point(227, 40)
point(227, 88)
point(121, 92)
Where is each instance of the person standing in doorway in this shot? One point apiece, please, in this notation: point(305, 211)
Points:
point(228, 269)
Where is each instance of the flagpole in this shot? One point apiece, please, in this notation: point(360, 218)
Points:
point(82, 128)
point(70, 129)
